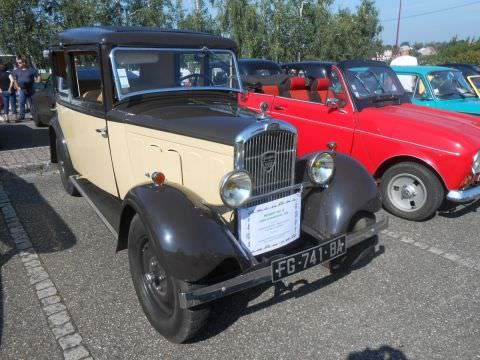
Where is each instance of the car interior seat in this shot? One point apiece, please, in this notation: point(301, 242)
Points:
point(319, 90)
point(295, 88)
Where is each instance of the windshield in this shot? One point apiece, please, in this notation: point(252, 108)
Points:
point(449, 84)
point(139, 70)
point(476, 81)
point(373, 81)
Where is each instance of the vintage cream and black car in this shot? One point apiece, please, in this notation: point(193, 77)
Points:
point(210, 199)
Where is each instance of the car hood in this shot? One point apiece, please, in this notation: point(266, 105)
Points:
point(469, 106)
point(432, 128)
point(215, 120)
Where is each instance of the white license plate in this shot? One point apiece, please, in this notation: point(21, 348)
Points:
point(269, 226)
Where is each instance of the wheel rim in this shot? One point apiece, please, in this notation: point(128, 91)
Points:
point(407, 192)
point(155, 280)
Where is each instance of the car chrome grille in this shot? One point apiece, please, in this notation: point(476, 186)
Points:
point(269, 157)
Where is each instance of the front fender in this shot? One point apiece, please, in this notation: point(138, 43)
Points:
point(190, 237)
point(331, 211)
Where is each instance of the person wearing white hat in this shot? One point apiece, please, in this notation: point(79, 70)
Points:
point(405, 59)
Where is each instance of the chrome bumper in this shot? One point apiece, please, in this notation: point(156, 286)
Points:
point(464, 195)
point(264, 273)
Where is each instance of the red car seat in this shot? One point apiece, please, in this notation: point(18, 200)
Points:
point(271, 89)
point(319, 90)
point(295, 88)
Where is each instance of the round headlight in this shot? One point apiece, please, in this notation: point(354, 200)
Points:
point(476, 164)
point(235, 188)
point(321, 168)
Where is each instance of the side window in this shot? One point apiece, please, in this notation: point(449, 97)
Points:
point(408, 82)
point(59, 77)
point(86, 76)
point(336, 90)
point(421, 91)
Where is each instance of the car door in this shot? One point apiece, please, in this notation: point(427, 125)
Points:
point(83, 120)
point(317, 123)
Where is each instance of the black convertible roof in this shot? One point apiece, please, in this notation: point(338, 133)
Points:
point(141, 36)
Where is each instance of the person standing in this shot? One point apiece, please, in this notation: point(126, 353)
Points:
point(25, 76)
point(7, 83)
point(405, 59)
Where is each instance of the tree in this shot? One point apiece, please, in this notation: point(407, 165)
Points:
point(25, 29)
point(199, 19)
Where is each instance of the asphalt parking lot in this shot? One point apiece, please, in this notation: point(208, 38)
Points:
point(419, 298)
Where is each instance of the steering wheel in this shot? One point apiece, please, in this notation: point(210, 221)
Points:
point(196, 77)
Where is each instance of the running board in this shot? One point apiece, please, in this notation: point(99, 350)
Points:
point(107, 206)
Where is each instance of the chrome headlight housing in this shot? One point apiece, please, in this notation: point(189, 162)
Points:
point(321, 168)
point(476, 164)
point(235, 188)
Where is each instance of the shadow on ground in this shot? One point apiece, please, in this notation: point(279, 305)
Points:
point(228, 310)
point(22, 135)
point(42, 219)
point(384, 352)
point(454, 211)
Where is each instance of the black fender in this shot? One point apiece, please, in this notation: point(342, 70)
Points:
point(189, 236)
point(55, 132)
point(333, 210)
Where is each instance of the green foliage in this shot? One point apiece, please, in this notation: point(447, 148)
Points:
point(458, 51)
point(282, 30)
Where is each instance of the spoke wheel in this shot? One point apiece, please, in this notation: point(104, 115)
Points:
point(411, 191)
point(155, 280)
point(158, 291)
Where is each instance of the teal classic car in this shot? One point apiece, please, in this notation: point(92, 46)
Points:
point(438, 87)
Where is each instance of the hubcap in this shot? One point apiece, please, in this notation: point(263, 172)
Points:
point(155, 280)
point(407, 192)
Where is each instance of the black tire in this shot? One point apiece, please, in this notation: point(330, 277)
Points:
point(358, 254)
point(65, 172)
point(418, 200)
point(35, 117)
point(158, 292)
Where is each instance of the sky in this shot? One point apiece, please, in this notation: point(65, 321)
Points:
point(441, 26)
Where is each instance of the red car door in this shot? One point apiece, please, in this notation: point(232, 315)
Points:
point(317, 123)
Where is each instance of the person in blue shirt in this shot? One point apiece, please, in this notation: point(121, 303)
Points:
point(25, 76)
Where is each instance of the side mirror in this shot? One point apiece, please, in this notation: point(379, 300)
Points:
point(332, 103)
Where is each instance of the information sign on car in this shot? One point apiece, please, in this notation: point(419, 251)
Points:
point(268, 226)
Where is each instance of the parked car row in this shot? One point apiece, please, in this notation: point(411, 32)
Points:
point(156, 130)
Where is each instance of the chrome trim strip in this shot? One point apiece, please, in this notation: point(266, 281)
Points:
point(203, 88)
point(462, 196)
point(74, 178)
point(264, 275)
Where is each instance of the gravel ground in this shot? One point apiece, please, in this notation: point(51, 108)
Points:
point(411, 301)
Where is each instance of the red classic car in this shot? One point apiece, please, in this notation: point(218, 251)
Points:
point(419, 156)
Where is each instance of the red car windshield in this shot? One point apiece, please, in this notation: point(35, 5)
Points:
point(373, 82)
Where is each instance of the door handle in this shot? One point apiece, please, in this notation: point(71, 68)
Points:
point(276, 107)
point(102, 131)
